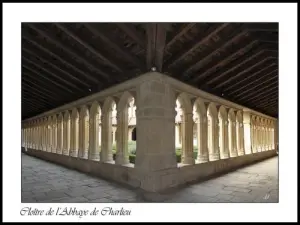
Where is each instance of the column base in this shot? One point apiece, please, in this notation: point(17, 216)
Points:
point(94, 157)
point(202, 159)
point(233, 154)
point(225, 156)
point(66, 152)
point(214, 157)
point(74, 153)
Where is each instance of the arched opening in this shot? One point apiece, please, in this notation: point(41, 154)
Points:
point(223, 132)
point(126, 121)
point(213, 132)
point(133, 134)
point(185, 155)
point(94, 144)
point(84, 118)
point(232, 133)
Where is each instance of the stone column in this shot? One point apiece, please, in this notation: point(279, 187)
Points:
point(74, 136)
point(114, 134)
point(122, 156)
point(83, 134)
point(50, 138)
point(106, 154)
point(249, 147)
point(54, 134)
point(60, 134)
point(202, 139)
point(94, 153)
point(276, 134)
point(240, 147)
point(187, 139)
point(44, 135)
point(155, 131)
point(66, 133)
point(232, 137)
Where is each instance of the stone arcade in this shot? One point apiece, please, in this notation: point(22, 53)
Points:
point(166, 113)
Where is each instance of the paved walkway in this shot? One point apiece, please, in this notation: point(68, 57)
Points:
point(46, 182)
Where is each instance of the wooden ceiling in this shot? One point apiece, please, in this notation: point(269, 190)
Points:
point(62, 62)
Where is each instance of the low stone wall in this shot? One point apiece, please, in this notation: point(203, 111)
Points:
point(109, 171)
point(189, 174)
point(152, 181)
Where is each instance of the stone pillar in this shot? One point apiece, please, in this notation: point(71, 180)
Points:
point(202, 139)
point(83, 134)
point(60, 134)
point(239, 140)
point(44, 135)
point(114, 129)
point(232, 137)
point(94, 151)
point(187, 139)
point(276, 135)
point(66, 133)
point(122, 156)
point(155, 131)
point(106, 154)
point(74, 134)
point(54, 134)
point(50, 137)
point(248, 134)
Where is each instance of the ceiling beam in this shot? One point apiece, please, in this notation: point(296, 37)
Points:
point(269, 99)
point(259, 90)
point(41, 92)
point(113, 44)
point(71, 65)
point(182, 31)
point(219, 85)
point(268, 103)
point(132, 33)
point(43, 83)
point(266, 94)
point(256, 87)
point(90, 48)
point(240, 62)
point(71, 52)
point(52, 74)
point(259, 79)
point(251, 76)
point(63, 88)
point(232, 38)
point(206, 72)
point(42, 88)
point(156, 40)
point(196, 44)
point(55, 67)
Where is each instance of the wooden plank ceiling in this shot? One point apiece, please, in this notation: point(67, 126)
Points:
point(62, 62)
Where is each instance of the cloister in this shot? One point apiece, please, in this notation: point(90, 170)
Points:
point(151, 105)
point(166, 113)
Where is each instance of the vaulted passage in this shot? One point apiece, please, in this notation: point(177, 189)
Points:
point(153, 106)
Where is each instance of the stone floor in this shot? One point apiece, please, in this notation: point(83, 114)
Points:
point(46, 182)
